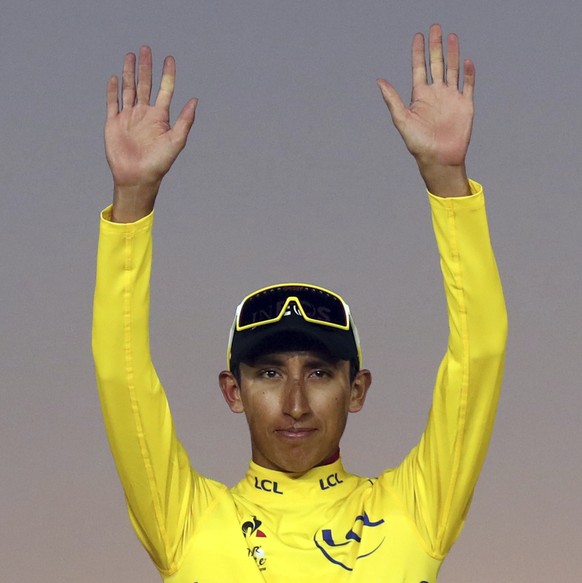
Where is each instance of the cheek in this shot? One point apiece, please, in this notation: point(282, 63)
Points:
point(260, 406)
point(334, 407)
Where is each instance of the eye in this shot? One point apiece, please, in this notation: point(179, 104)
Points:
point(320, 373)
point(268, 373)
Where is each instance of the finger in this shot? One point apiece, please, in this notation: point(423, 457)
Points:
point(418, 61)
point(469, 78)
point(435, 50)
point(112, 97)
point(393, 101)
point(167, 83)
point(128, 81)
point(453, 60)
point(144, 78)
point(184, 123)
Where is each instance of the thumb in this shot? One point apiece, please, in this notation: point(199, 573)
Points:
point(392, 100)
point(184, 123)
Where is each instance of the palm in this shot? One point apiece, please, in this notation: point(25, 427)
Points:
point(437, 125)
point(138, 145)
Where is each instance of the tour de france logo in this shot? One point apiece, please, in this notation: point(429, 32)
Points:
point(344, 550)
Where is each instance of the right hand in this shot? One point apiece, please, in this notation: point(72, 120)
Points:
point(140, 145)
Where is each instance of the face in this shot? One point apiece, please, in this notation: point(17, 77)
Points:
point(296, 405)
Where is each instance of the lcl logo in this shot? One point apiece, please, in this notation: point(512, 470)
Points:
point(331, 481)
point(267, 486)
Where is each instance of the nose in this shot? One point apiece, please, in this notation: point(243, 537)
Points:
point(296, 403)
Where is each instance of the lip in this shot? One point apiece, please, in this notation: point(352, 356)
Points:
point(296, 433)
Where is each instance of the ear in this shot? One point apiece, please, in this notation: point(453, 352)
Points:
point(359, 390)
point(230, 391)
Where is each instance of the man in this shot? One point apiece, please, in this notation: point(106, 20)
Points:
point(294, 369)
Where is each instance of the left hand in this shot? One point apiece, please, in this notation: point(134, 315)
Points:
point(436, 126)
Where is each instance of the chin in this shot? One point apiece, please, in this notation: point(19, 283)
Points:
point(298, 465)
point(297, 468)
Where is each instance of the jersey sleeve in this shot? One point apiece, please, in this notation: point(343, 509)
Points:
point(437, 479)
point(165, 496)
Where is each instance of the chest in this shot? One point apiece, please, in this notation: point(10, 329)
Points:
point(354, 540)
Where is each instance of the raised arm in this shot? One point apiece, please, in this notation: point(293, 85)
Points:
point(165, 496)
point(436, 126)
point(437, 479)
point(140, 144)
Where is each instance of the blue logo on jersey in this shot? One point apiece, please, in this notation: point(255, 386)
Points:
point(342, 552)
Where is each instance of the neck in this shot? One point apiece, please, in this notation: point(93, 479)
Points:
point(329, 460)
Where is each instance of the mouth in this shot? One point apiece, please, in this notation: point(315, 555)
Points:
point(296, 432)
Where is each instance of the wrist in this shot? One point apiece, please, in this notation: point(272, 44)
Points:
point(445, 181)
point(132, 203)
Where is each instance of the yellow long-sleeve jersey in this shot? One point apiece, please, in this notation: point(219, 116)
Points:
point(327, 524)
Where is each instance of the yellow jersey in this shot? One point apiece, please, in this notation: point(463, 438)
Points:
point(327, 524)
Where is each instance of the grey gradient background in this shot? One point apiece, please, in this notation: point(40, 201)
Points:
point(293, 171)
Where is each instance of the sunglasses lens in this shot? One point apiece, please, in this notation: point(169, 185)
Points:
point(317, 304)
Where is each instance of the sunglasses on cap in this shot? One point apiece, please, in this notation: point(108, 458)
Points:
point(314, 304)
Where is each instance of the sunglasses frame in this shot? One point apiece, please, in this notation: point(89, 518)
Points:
point(289, 300)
